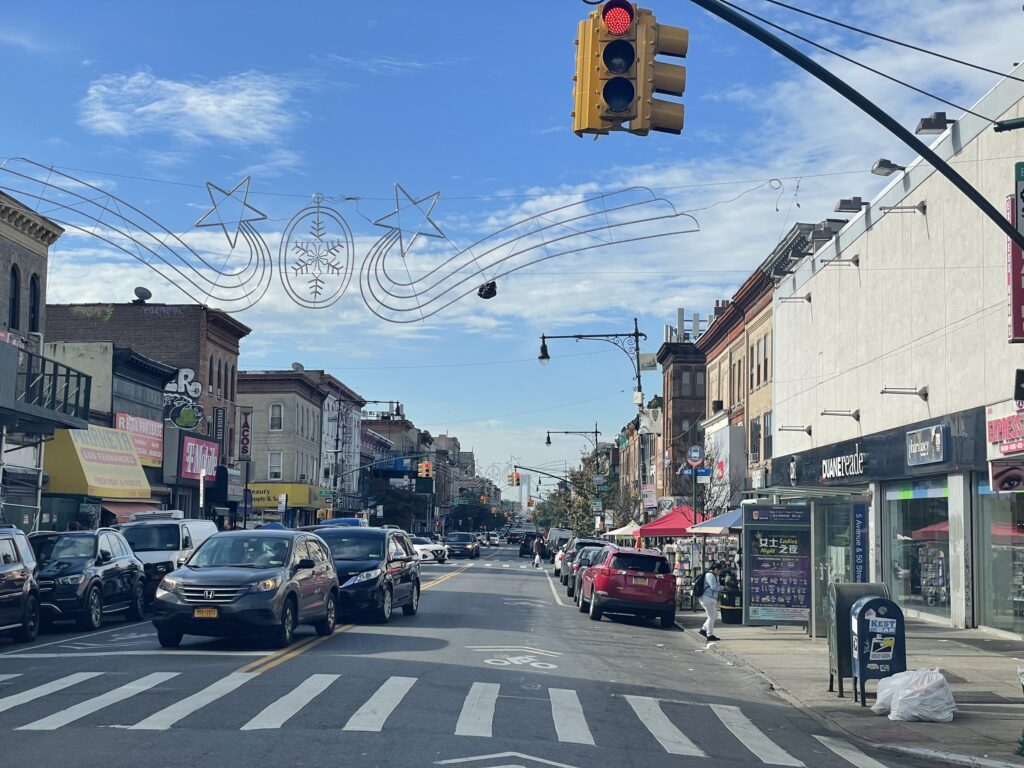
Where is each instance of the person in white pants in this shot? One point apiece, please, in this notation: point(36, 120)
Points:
point(709, 601)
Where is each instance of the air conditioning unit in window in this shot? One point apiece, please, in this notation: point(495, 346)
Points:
point(302, 478)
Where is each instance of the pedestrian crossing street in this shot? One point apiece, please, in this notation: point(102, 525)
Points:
point(662, 721)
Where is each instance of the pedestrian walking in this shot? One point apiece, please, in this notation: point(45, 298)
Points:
point(710, 590)
point(538, 550)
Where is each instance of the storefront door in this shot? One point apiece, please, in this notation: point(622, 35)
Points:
point(918, 541)
point(831, 533)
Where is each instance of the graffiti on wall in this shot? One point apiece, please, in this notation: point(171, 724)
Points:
point(181, 400)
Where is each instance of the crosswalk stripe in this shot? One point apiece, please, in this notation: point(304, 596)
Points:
point(375, 712)
point(570, 724)
point(165, 718)
point(87, 707)
point(505, 565)
point(752, 737)
point(278, 713)
point(9, 676)
point(649, 712)
point(488, 565)
point(849, 753)
point(478, 710)
point(17, 699)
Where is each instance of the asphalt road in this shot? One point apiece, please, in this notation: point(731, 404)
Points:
point(498, 665)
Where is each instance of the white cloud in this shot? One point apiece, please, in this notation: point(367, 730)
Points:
point(382, 65)
point(22, 40)
point(248, 108)
point(277, 162)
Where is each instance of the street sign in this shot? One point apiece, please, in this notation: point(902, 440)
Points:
point(694, 455)
point(326, 493)
point(595, 505)
point(599, 481)
point(1018, 387)
point(282, 502)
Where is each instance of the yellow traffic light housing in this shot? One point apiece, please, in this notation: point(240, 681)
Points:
point(422, 469)
point(617, 74)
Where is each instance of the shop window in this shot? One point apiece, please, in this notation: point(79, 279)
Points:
point(274, 465)
point(276, 417)
point(33, 304)
point(767, 426)
point(14, 301)
point(918, 567)
point(1001, 577)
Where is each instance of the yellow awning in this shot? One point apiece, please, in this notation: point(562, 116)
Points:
point(95, 462)
point(266, 495)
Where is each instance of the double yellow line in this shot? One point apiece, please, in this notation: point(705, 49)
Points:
point(286, 654)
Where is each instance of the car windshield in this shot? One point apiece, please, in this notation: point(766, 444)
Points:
point(421, 540)
point(457, 537)
point(242, 552)
point(647, 563)
point(352, 547)
point(153, 538)
point(42, 546)
point(72, 548)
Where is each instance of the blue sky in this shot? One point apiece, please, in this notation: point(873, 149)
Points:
point(472, 100)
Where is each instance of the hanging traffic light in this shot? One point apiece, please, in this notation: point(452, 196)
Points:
point(427, 468)
point(518, 479)
point(511, 479)
point(617, 75)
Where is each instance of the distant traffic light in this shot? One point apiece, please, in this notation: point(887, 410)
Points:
point(529, 502)
point(518, 479)
point(428, 469)
point(422, 469)
point(617, 75)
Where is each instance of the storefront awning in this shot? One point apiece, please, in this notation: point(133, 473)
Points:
point(809, 491)
point(123, 510)
point(95, 462)
point(723, 525)
point(674, 523)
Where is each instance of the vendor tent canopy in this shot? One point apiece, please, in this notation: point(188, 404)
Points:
point(672, 524)
point(723, 525)
point(626, 530)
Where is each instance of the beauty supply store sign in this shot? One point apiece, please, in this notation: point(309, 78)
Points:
point(1004, 436)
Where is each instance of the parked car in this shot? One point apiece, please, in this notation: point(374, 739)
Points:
point(163, 544)
point(572, 548)
point(20, 610)
point(578, 568)
point(378, 569)
point(241, 583)
point(554, 540)
point(85, 575)
point(526, 544)
point(559, 556)
point(430, 550)
point(630, 581)
point(462, 545)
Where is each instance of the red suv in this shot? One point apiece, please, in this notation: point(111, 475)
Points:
point(628, 580)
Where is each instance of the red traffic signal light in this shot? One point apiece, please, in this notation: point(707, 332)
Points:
point(617, 16)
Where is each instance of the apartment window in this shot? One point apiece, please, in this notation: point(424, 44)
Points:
point(755, 439)
point(209, 374)
point(232, 384)
point(767, 354)
point(768, 435)
point(220, 378)
point(274, 465)
point(698, 378)
point(750, 367)
point(14, 302)
point(33, 304)
point(758, 358)
point(685, 384)
point(276, 417)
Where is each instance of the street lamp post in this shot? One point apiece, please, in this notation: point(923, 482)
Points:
point(590, 434)
point(629, 343)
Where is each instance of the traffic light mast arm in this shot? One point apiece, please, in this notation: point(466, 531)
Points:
point(556, 477)
point(738, 20)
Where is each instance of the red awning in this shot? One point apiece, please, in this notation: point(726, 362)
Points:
point(940, 531)
point(673, 524)
point(123, 510)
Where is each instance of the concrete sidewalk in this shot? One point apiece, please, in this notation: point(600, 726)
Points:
point(981, 669)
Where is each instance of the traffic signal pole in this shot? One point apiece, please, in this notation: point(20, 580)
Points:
point(887, 121)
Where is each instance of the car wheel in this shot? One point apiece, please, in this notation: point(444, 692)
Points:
point(570, 589)
point(285, 632)
point(595, 611)
point(582, 603)
point(558, 573)
point(169, 639)
point(92, 615)
point(137, 608)
point(383, 613)
point(326, 625)
point(414, 604)
point(29, 623)
point(668, 620)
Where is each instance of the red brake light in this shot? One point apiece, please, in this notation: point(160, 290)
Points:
point(617, 17)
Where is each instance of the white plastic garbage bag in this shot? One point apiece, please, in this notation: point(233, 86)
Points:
point(922, 694)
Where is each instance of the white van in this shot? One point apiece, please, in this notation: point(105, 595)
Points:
point(163, 540)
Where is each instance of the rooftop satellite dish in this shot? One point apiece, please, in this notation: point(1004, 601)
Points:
point(298, 367)
point(143, 294)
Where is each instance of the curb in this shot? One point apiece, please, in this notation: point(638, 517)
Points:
point(936, 756)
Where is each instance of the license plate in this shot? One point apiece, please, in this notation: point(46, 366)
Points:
point(639, 579)
point(204, 613)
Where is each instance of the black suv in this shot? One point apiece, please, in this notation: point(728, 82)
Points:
point(378, 568)
point(241, 583)
point(86, 574)
point(462, 545)
point(19, 593)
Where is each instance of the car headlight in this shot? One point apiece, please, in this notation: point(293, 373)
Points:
point(266, 585)
point(364, 576)
point(76, 579)
point(167, 586)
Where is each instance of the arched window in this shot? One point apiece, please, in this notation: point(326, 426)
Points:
point(232, 384)
point(14, 303)
point(220, 379)
point(33, 304)
point(209, 374)
point(276, 417)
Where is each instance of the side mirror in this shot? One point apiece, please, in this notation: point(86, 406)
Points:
point(181, 561)
point(105, 557)
point(306, 564)
point(187, 543)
